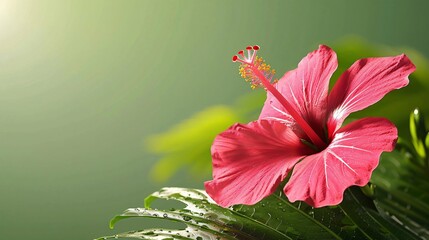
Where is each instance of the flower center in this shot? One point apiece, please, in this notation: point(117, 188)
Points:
point(254, 70)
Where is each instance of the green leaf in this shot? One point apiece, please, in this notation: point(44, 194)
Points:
point(272, 218)
point(418, 133)
point(356, 217)
point(201, 213)
point(295, 220)
point(165, 234)
point(403, 191)
point(362, 211)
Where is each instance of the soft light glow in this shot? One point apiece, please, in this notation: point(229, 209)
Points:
point(7, 13)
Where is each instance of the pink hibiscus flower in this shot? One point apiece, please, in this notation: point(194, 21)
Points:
point(299, 130)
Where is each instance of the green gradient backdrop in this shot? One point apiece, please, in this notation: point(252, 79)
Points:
point(83, 82)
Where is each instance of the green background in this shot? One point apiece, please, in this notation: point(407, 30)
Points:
point(82, 83)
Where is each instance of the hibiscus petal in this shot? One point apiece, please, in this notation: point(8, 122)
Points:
point(306, 88)
point(250, 161)
point(364, 84)
point(320, 179)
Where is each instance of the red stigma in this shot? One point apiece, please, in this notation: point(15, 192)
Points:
point(246, 56)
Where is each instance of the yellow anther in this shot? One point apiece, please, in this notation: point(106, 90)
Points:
point(246, 71)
